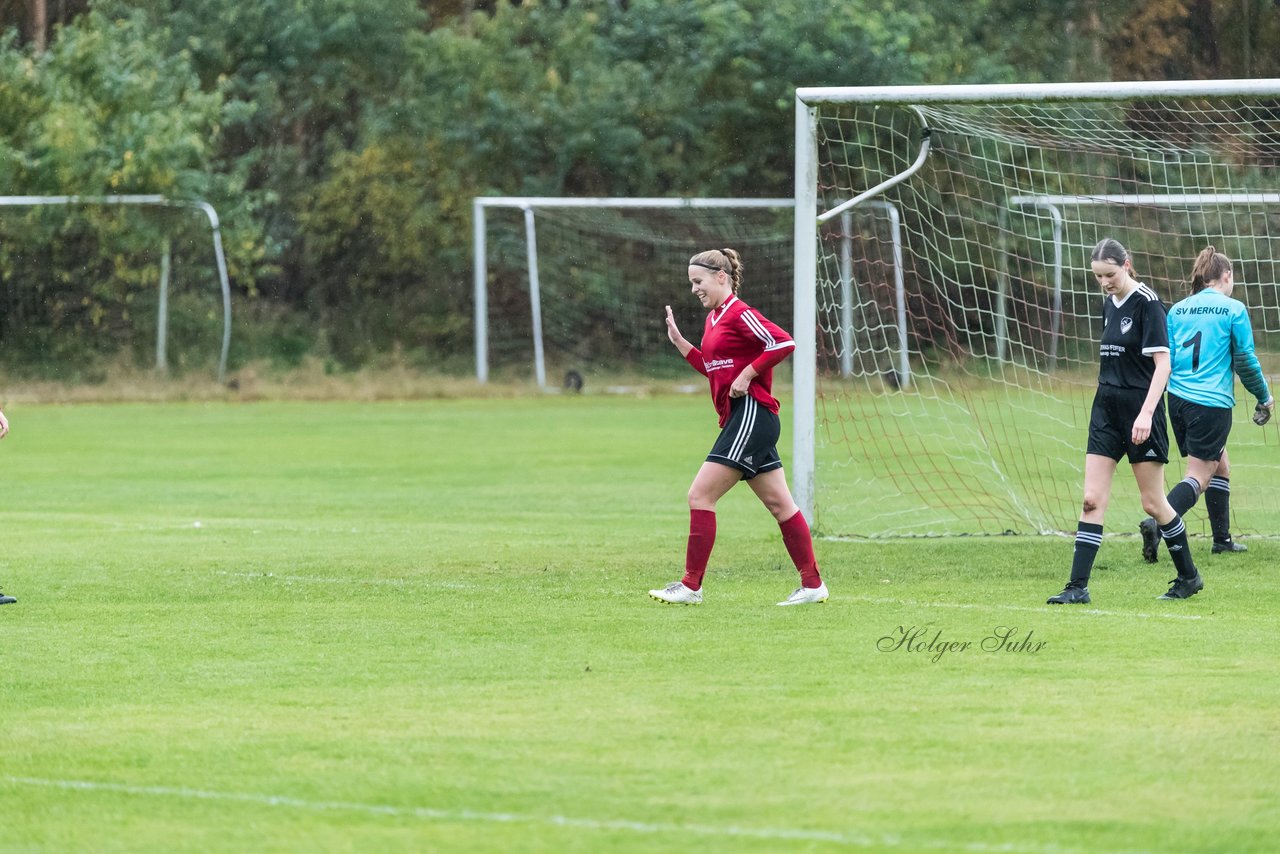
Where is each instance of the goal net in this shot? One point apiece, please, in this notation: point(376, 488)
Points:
point(574, 289)
point(93, 283)
point(942, 263)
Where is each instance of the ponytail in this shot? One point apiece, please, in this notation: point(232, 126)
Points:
point(1210, 266)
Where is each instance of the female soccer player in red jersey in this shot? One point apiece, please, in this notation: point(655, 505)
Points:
point(740, 347)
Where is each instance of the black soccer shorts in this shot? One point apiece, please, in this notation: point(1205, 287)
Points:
point(1201, 431)
point(749, 441)
point(1111, 426)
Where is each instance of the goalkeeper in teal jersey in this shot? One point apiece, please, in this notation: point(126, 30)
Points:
point(1210, 342)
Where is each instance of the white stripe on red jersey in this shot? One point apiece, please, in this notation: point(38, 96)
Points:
point(733, 337)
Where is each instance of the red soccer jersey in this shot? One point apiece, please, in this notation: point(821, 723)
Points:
point(736, 335)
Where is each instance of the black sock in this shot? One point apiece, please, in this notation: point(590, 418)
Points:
point(1217, 500)
point(1175, 540)
point(1088, 539)
point(1183, 496)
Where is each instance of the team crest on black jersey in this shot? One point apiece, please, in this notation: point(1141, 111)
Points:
point(1126, 323)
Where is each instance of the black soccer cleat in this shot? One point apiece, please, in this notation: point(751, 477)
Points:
point(1150, 539)
point(1229, 546)
point(1072, 594)
point(1183, 588)
point(6, 600)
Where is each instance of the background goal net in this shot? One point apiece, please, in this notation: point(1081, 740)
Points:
point(88, 283)
point(579, 285)
point(955, 317)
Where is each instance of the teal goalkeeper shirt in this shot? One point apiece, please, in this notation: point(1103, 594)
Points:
point(1209, 337)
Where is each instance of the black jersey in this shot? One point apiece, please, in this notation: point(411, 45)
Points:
point(1132, 331)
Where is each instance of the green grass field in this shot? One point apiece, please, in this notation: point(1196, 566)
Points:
point(423, 627)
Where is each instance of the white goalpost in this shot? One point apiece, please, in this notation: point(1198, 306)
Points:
point(946, 338)
point(156, 201)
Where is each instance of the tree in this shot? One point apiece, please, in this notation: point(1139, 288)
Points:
point(36, 20)
point(343, 147)
point(39, 24)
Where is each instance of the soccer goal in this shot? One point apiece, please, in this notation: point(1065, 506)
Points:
point(945, 316)
point(165, 253)
point(571, 290)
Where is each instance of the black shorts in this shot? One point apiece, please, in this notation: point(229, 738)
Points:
point(1111, 426)
point(1201, 431)
point(749, 441)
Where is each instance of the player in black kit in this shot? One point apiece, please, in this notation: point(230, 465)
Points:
point(1127, 419)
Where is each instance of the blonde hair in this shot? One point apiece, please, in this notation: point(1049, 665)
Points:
point(721, 259)
point(1210, 266)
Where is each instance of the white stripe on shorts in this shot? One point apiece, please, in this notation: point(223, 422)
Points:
point(744, 429)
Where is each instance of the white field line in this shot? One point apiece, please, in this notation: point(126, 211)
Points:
point(307, 579)
point(1045, 609)
point(613, 825)
point(320, 579)
point(874, 600)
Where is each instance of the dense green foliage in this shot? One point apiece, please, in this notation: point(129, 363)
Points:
point(342, 140)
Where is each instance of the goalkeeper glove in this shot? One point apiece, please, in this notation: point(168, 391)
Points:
point(1262, 412)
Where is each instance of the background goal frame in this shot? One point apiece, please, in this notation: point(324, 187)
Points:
point(156, 201)
point(529, 206)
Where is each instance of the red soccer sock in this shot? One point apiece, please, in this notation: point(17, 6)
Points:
point(702, 536)
point(799, 543)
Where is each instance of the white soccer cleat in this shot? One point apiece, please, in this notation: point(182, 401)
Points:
point(676, 593)
point(807, 595)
